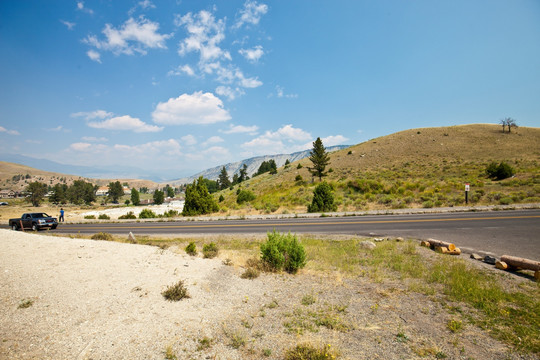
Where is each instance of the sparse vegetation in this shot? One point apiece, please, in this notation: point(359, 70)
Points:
point(104, 217)
point(147, 214)
point(210, 250)
point(308, 351)
point(129, 215)
point(25, 303)
point(283, 252)
point(102, 236)
point(191, 249)
point(176, 292)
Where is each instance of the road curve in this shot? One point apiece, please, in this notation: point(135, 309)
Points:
point(506, 232)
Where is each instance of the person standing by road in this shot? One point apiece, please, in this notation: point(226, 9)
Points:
point(61, 215)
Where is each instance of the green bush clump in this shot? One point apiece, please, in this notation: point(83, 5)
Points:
point(129, 215)
point(102, 236)
point(104, 217)
point(323, 199)
point(89, 217)
point(170, 214)
point(176, 292)
point(147, 214)
point(499, 172)
point(210, 250)
point(283, 252)
point(307, 351)
point(191, 249)
point(244, 196)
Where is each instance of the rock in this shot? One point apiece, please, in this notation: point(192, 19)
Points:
point(367, 245)
point(131, 238)
point(378, 239)
point(476, 257)
point(399, 239)
point(490, 260)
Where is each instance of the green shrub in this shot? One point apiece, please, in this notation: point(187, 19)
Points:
point(499, 172)
point(506, 201)
point(210, 250)
point(221, 198)
point(176, 292)
point(250, 273)
point(89, 217)
point(147, 214)
point(244, 196)
point(102, 236)
point(191, 249)
point(129, 215)
point(427, 204)
point(299, 178)
point(309, 352)
point(170, 214)
point(299, 166)
point(283, 252)
point(104, 217)
point(323, 199)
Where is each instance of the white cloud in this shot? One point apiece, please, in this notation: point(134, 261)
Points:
point(10, 132)
point(205, 34)
point(251, 13)
point(97, 114)
point(248, 82)
point(280, 93)
point(80, 146)
point(229, 92)
point(125, 122)
point(197, 108)
point(70, 25)
point(212, 140)
point(214, 154)
point(81, 7)
point(240, 129)
point(58, 129)
point(94, 55)
point(149, 150)
point(134, 36)
point(94, 139)
point(286, 139)
point(189, 140)
point(334, 140)
point(182, 70)
point(252, 55)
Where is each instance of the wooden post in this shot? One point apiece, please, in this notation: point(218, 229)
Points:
point(438, 243)
point(22, 227)
point(521, 263)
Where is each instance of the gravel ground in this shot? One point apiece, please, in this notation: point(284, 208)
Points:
point(102, 300)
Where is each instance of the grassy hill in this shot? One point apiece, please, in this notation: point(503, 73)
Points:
point(414, 168)
point(16, 177)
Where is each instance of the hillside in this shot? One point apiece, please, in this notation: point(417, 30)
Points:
point(414, 168)
point(16, 177)
point(252, 164)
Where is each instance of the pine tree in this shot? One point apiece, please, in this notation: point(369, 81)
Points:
point(320, 158)
point(135, 198)
point(223, 179)
point(323, 199)
point(198, 199)
point(243, 174)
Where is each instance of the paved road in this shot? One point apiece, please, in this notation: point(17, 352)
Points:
point(506, 232)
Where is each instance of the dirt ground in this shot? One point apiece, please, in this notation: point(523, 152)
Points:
point(63, 298)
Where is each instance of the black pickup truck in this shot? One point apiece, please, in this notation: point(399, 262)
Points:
point(34, 221)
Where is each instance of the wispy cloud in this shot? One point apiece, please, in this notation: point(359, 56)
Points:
point(189, 140)
point(97, 114)
point(252, 55)
point(229, 92)
point(134, 36)
point(83, 8)
point(212, 140)
point(280, 93)
point(251, 13)
point(125, 122)
point(10, 132)
point(197, 108)
point(240, 129)
point(70, 25)
point(94, 139)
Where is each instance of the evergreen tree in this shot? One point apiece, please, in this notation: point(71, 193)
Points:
point(323, 199)
point(36, 191)
point(116, 191)
point(198, 199)
point(243, 174)
point(170, 191)
point(81, 192)
point(159, 197)
point(135, 198)
point(235, 179)
point(223, 179)
point(58, 195)
point(320, 158)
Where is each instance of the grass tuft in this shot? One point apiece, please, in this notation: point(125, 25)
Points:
point(176, 292)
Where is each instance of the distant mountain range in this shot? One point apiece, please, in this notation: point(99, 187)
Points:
point(130, 172)
point(253, 165)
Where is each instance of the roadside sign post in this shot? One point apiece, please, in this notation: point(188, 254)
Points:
point(467, 187)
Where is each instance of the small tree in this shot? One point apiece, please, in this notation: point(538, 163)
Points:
point(223, 179)
point(159, 197)
point(499, 172)
point(115, 191)
point(320, 158)
point(323, 199)
point(509, 123)
point(243, 174)
point(135, 198)
point(37, 191)
point(58, 195)
point(198, 199)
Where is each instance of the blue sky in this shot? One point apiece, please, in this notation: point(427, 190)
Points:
point(181, 86)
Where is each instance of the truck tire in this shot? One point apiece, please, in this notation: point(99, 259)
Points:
point(14, 227)
point(54, 227)
point(35, 227)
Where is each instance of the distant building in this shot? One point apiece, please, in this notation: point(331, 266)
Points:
point(102, 191)
point(127, 190)
point(7, 194)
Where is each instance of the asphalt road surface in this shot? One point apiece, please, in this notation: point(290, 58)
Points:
point(514, 233)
